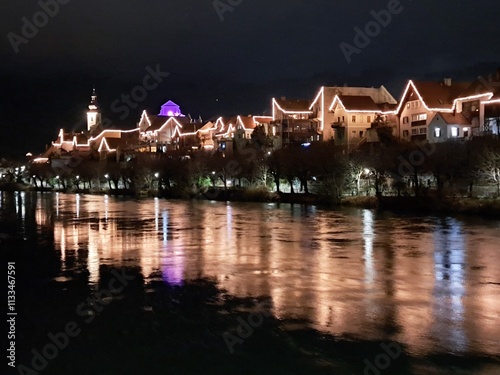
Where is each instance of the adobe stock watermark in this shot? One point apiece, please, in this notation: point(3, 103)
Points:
point(246, 328)
point(88, 310)
point(30, 28)
point(139, 93)
point(383, 361)
point(372, 29)
point(224, 6)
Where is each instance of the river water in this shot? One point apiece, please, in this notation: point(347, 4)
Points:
point(431, 283)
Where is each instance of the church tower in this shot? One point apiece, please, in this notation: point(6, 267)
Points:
point(93, 114)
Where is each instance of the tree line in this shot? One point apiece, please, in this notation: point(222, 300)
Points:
point(389, 167)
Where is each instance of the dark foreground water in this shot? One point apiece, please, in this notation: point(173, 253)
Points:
point(430, 285)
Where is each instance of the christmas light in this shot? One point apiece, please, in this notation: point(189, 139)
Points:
point(450, 110)
point(337, 99)
point(275, 103)
point(104, 143)
point(495, 101)
point(145, 115)
point(320, 93)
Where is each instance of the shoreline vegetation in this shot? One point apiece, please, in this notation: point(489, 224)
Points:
point(444, 178)
point(428, 204)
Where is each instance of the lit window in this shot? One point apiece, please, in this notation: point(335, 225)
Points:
point(368, 119)
point(454, 131)
point(408, 105)
point(437, 133)
point(419, 117)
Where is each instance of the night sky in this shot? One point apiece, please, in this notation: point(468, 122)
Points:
point(225, 62)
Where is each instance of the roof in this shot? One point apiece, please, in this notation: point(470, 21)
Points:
point(359, 103)
point(454, 118)
point(248, 122)
point(81, 139)
point(296, 105)
point(158, 121)
point(483, 86)
point(115, 143)
point(170, 104)
point(438, 95)
point(263, 119)
point(379, 95)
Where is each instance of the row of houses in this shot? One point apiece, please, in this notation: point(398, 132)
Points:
point(432, 111)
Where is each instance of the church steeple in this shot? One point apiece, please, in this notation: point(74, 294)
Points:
point(94, 113)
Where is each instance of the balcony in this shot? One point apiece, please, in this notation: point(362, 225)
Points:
point(419, 123)
point(338, 124)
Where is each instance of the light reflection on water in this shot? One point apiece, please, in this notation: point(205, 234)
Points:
point(430, 283)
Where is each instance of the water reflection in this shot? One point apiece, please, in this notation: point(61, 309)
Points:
point(368, 233)
point(430, 283)
point(450, 280)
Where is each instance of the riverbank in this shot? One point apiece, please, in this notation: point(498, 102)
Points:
point(487, 208)
point(429, 204)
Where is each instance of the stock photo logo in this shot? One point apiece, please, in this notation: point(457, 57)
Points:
point(224, 6)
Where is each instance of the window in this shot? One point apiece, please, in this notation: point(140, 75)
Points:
point(405, 120)
point(414, 132)
point(466, 132)
point(361, 134)
point(437, 133)
point(369, 119)
point(343, 119)
point(412, 104)
point(406, 133)
point(354, 119)
point(423, 130)
point(419, 117)
point(454, 131)
point(408, 105)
